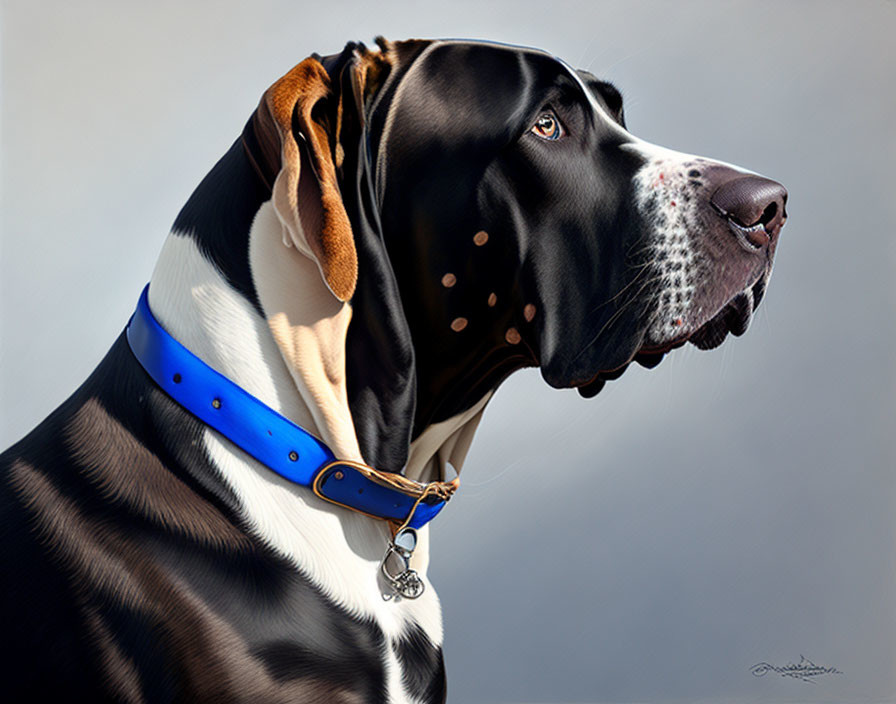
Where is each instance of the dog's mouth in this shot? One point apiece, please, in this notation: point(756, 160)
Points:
point(734, 317)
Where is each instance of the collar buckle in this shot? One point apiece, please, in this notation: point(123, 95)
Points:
point(383, 495)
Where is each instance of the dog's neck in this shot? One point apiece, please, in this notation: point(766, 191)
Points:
point(228, 287)
point(269, 322)
point(290, 360)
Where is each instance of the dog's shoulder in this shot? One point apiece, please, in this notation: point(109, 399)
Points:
point(91, 503)
point(50, 517)
point(130, 569)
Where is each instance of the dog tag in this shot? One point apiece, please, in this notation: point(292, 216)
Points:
point(410, 586)
point(405, 582)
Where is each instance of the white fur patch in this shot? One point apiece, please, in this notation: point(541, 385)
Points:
point(446, 442)
point(194, 303)
point(336, 549)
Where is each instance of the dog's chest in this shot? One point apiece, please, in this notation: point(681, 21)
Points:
point(325, 606)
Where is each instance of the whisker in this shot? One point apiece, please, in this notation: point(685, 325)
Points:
point(643, 269)
point(613, 318)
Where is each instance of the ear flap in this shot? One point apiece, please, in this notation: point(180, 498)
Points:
point(315, 117)
point(379, 351)
point(292, 118)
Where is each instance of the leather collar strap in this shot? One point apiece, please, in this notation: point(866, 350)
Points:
point(273, 440)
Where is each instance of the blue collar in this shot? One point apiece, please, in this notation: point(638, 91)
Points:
point(273, 440)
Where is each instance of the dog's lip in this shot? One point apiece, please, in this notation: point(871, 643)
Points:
point(733, 317)
point(646, 357)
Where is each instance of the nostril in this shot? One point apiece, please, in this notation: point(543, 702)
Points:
point(768, 215)
point(753, 206)
point(765, 219)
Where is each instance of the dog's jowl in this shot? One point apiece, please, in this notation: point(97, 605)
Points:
point(235, 505)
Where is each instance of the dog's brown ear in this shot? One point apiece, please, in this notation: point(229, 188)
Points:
point(292, 129)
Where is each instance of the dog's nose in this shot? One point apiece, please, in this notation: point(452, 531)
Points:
point(753, 206)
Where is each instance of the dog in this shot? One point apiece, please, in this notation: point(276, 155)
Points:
point(396, 230)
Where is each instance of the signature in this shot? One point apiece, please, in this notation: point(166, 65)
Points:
point(804, 670)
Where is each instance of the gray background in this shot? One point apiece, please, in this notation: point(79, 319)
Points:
point(651, 544)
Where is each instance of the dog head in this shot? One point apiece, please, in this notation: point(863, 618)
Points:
point(484, 208)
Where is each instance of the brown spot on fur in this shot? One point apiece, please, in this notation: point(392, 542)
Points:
point(529, 312)
point(492, 300)
point(480, 238)
point(448, 280)
point(126, 472)
point(458, 324)
point(512, 336)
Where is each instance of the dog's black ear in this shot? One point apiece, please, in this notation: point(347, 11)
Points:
point(380, 367)
point(361, 75)
point(294, 122)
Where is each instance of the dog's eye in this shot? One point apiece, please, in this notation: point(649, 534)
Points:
point(547, 126)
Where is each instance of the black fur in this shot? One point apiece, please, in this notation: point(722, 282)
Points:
point(219, 214)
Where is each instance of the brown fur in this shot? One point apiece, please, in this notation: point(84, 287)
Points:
point(295, 97)
point(293, 104)
point(126, 473)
